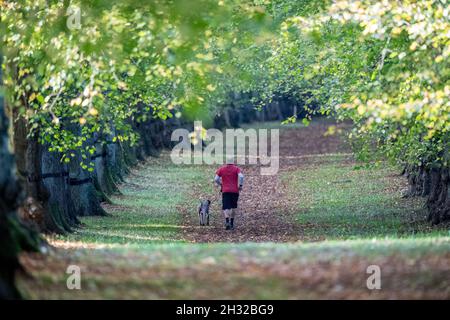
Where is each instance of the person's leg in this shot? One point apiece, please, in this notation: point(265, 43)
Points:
point(226, 209)
point(227, 214)
point(234, 211)
point(232, 215)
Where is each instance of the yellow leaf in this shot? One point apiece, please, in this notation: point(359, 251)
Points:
point(32, 97)
point(361, 109)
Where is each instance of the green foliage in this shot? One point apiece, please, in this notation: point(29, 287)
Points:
point(128, 61)
point(383, 65)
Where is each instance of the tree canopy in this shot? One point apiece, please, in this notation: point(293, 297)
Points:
point(383, 65)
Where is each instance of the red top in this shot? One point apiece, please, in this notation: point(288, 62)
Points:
point(229, 174)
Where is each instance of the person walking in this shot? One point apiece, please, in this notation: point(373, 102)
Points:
point(230, 179)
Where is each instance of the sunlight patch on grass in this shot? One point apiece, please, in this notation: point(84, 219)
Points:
point(64, 244)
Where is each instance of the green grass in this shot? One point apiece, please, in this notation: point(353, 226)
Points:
point(231, 254)
point(337, 201)
point(412, 266)
point(147, 211)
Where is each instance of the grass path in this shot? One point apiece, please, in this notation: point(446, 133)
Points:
point(309, 232)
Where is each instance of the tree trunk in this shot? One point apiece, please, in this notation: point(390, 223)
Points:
point(438, 202)
point(14, 235)
point(83, 196)
point(57, 192)
point(226, 116)
point(43, 178)
point(278, 111)
point(100, 175)
point(432, 183)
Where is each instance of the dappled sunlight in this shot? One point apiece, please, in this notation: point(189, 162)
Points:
point(144, 226)
point(123, 236)
point(65, 244)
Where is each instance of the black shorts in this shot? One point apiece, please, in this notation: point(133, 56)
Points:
point(229, 200)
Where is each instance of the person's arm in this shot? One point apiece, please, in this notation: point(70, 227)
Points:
point(241, 180)
point(218, 180)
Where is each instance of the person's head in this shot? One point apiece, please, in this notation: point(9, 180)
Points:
point(230, 160)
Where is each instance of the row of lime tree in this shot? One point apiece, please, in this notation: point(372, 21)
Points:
point(91, 87)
